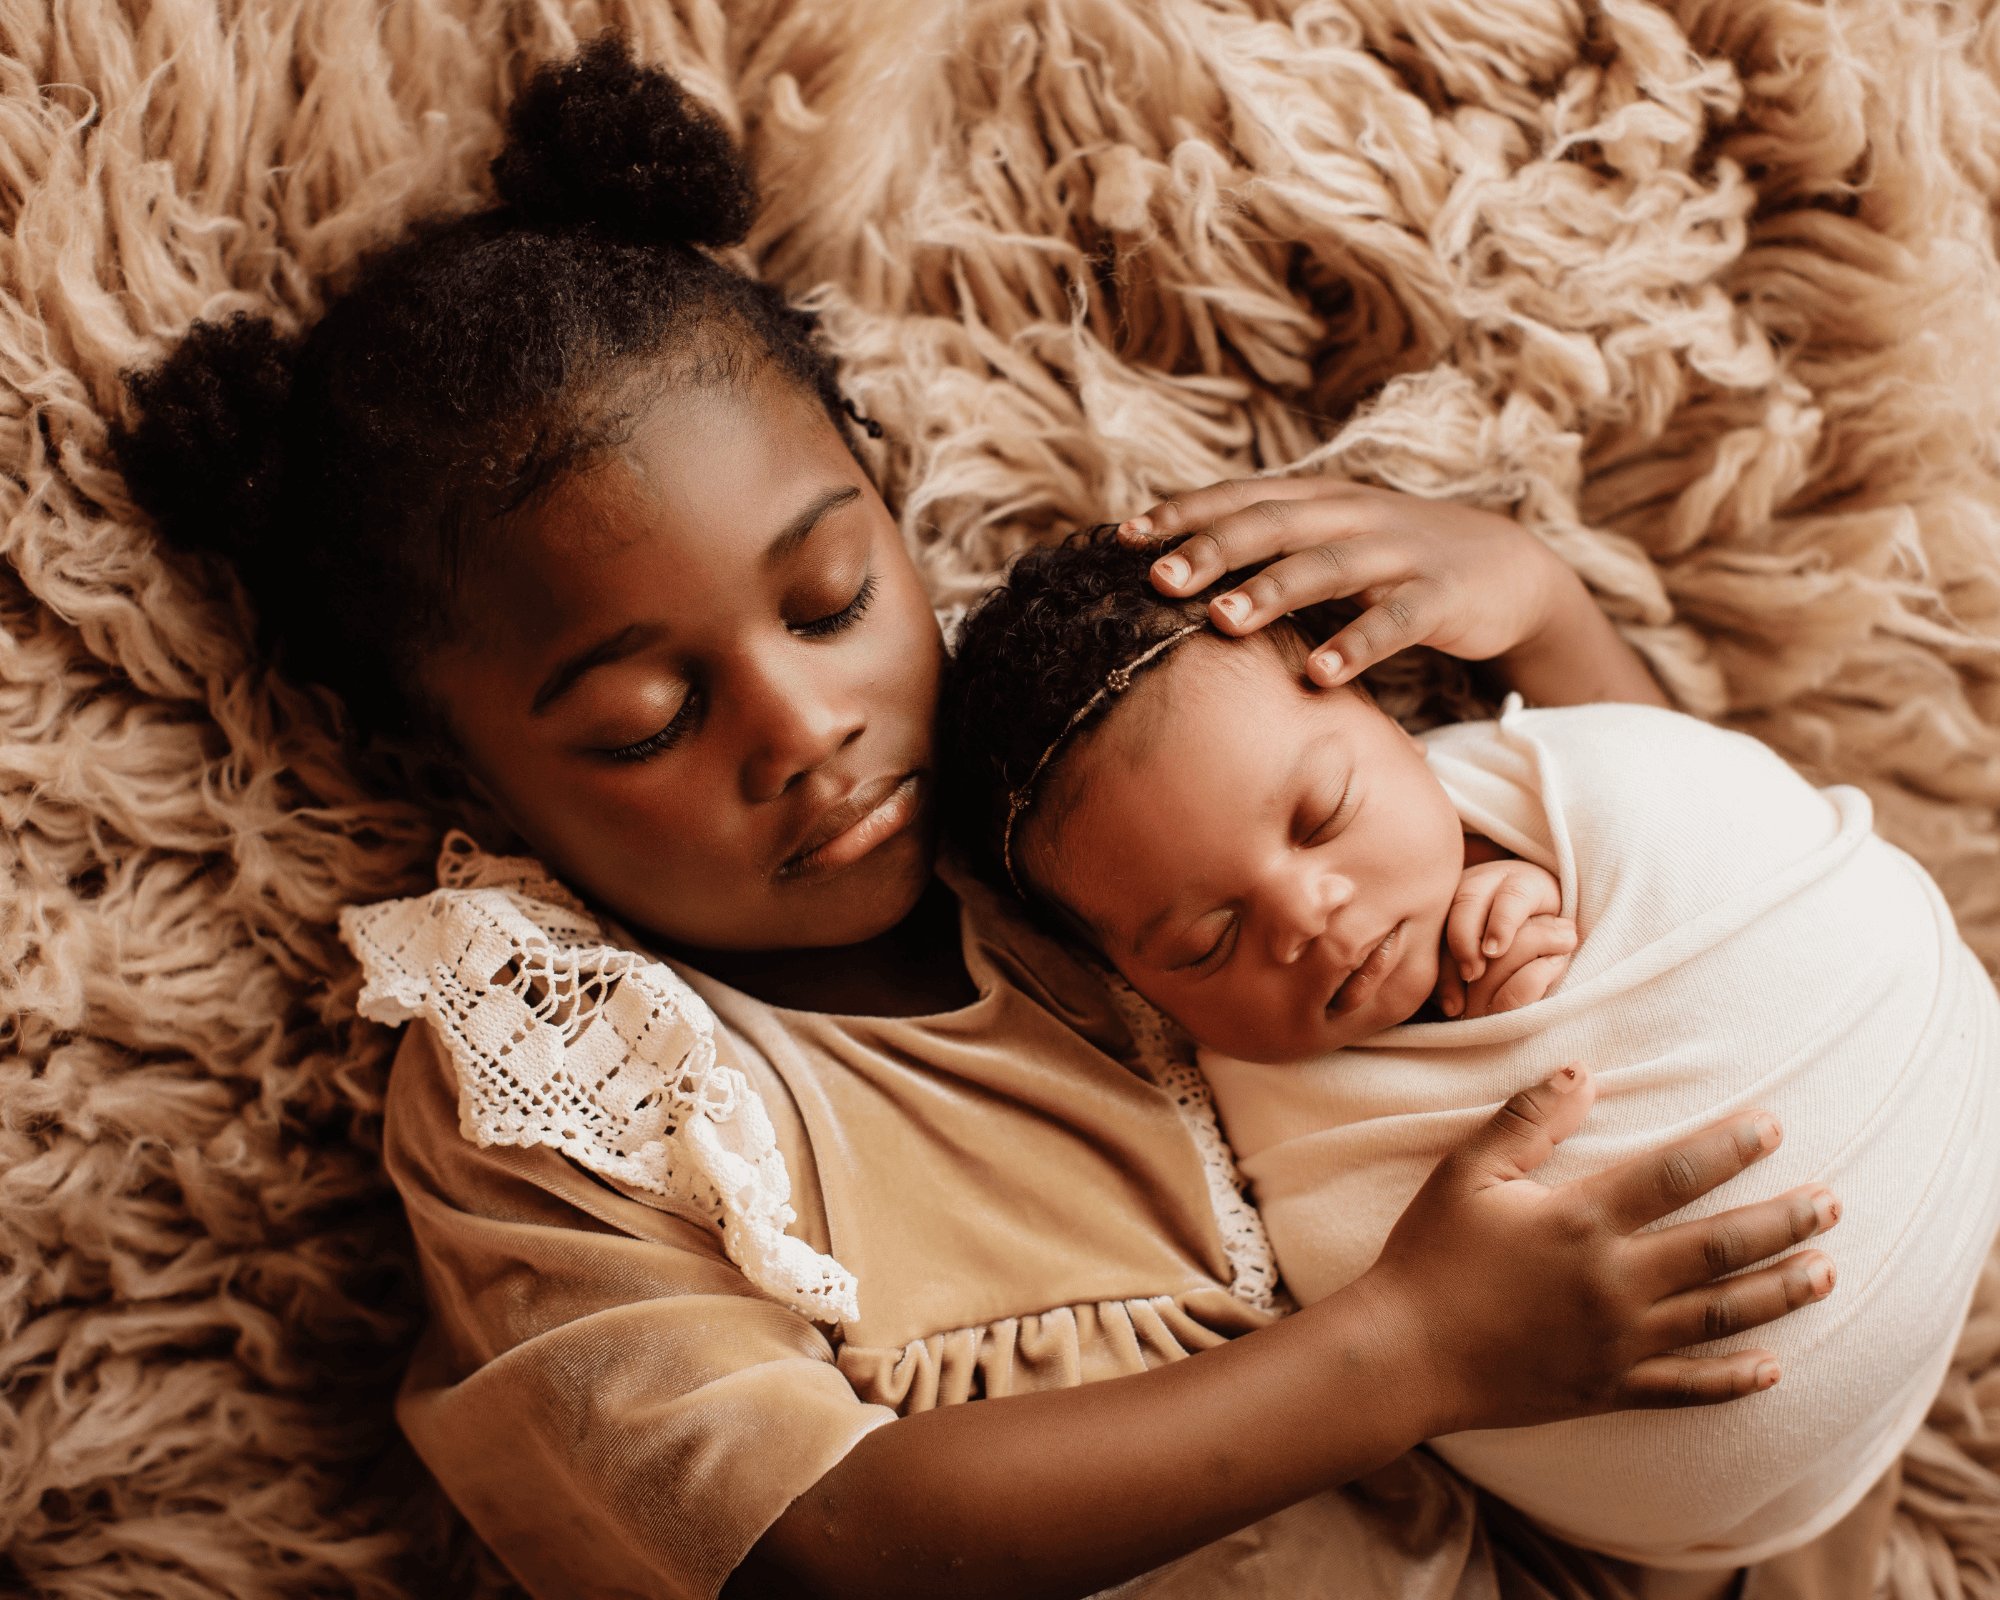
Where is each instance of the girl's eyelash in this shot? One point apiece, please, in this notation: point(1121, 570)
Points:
point(818, 628)
point(843, 619)
point(656, 743)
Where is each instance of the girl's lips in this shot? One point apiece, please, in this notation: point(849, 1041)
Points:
point(877, 823)
point(1366, 978)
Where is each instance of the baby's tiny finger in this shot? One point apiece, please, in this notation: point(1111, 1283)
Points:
point(1511, 908)
point(1461, 931)
point(1450, 990)
point(1538, 938)
point(1533, 982)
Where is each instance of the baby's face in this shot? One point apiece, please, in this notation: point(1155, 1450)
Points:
point(1269, 863)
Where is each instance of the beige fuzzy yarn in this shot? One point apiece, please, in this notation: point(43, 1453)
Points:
point(1706, 293)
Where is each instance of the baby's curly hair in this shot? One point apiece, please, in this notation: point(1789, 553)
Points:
point(1028, 656)
point(344, 474)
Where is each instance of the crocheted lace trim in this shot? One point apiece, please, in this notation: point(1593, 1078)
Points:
point(562, 1039)
point(1168, 1057)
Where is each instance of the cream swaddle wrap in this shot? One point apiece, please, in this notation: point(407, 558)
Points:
point(1745, 940)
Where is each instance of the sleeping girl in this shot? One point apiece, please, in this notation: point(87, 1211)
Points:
point(1376, 938)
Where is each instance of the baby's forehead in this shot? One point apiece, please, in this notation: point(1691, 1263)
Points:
point(1211, 692)
point(1223, 726)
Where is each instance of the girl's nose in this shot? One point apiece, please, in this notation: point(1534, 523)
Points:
point(1302, 904)
point(794, 722)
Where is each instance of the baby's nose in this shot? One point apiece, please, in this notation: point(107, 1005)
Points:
point(1306, 910)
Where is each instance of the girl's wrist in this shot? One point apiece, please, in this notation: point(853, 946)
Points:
point(1391, 1352)
point(1558, 590)
point(1573, 655)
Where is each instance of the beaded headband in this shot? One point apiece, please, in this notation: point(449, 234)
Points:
point(1117, 681)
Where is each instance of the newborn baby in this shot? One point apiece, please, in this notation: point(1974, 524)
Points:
point(1275, 866)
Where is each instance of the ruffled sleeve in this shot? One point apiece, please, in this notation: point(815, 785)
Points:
point(613, 1405)
point(560, 1038)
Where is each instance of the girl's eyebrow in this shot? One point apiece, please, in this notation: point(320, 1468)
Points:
point(621, 644)
point(799, 529)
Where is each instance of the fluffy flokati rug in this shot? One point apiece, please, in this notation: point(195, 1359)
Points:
point(1705, 293)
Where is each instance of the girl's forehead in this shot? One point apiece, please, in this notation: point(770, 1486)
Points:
point(701, 500)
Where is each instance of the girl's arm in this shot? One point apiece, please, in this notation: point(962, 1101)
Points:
point(1497, 1301)
point(1469, 582)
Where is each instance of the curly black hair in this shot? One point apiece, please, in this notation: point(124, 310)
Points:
point(344, 473)
point(1028, 656)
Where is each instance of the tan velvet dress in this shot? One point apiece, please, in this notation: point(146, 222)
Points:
point(620, 1412)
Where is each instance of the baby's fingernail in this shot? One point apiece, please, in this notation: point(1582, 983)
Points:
point(1465, 971)
point(1234, 607)
point(1451, 1005)
point(1767, 1374)
point(1136, 527)
point(1172, 569)
point(1491, 947)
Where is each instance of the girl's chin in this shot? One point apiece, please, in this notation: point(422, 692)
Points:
point(865, 901)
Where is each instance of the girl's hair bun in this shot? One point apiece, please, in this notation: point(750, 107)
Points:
point(600, 139)
point(208, 460)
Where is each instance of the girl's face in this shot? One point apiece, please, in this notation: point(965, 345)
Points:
point(698, 677)
point(1269, 863)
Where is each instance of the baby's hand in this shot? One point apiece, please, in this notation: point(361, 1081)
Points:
point(1504, 943)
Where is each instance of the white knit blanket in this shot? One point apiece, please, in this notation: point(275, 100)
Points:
point(1747, 940)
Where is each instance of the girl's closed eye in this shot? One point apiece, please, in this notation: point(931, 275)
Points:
point(843, 619)
point(688, 713)
point(683, 721)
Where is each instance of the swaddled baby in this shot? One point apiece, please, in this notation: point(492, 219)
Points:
point(1276, 867)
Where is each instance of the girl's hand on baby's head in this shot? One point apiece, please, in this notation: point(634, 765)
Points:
point(1505, 942)
point(1469, 582)
point(1533, 1303)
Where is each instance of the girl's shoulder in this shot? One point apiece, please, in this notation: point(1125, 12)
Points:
point(562, 1035)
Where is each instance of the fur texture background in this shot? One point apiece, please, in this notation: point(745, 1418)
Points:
point(1705, 292)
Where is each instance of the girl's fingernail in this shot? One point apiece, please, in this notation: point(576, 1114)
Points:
point(1234, 607)
point(1767, 1374)
point(1139, 526)
point(1172, 568)
point(1767, 1131)
point(1821, 1276)
point(1565, 1079)
point(1326, 666)
point(1827, 1204)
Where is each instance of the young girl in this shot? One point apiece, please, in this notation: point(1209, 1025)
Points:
point(1313, 893)
point(738, 1148)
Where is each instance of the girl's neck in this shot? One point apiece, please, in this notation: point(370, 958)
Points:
point(915, 969)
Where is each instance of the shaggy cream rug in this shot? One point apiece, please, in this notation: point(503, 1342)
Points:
point(1706, 293)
